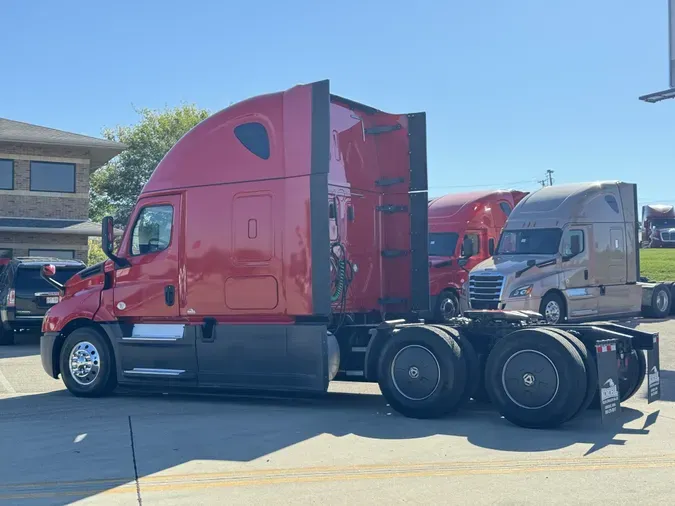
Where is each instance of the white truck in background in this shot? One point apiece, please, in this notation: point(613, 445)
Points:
point(571, 253)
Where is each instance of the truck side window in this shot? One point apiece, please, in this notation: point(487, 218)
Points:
point(254, 138)
point(573, 243)
point(506, 208)
point(152, 230)
point(475, 239)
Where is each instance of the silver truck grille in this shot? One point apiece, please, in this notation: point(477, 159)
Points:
point(485, 290)
point(667, 236)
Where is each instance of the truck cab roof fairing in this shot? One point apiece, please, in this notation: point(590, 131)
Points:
point(212, 153)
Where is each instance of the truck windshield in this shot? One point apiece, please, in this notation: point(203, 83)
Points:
point(664, 223)
point(442, 244)
point(543, 241)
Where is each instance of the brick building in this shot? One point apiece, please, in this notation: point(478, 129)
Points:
point(44, 189)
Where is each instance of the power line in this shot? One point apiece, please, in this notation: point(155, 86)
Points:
point(493, 185)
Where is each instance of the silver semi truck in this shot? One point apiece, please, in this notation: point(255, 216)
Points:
point(571, 253)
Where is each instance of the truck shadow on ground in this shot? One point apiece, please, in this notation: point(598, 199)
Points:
point(26, 344)
point(56, 444)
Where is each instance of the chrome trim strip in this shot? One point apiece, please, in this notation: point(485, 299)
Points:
point(46, 294)
point(155, 372)
point(150, 339)
point(172, 331)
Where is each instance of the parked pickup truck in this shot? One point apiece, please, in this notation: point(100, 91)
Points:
point(25, 296)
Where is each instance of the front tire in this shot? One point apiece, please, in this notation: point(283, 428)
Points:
point(87, 364)
point(447, 307)
point(535, 378)
point(422, 372)
point(553, 308)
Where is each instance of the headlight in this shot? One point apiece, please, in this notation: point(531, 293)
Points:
point(521, 291)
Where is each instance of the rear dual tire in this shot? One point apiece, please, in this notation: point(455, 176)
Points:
point(422, 372)
point(660, 304)
point(631, 381)
point(473, 369)
point(536, 378)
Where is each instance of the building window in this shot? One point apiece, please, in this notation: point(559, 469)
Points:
point(254, 138)
point(6, 174)
point(52, 177)
point(64, 254)
point(6, 252)
point(152, 230)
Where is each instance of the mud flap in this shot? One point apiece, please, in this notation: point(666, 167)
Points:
point(608, 380)
point(654, 372)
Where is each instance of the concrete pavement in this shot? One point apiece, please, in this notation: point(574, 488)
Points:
point(349, 446)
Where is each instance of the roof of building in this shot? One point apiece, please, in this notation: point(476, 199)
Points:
point(52, 226)
point(102, 150)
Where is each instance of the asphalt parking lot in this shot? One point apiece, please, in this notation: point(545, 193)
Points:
point(346, 447)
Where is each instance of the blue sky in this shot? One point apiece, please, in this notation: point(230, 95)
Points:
point(510, 88)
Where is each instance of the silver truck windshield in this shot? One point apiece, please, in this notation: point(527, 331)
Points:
point(443, 244)
point(543, 241)
point(664, 223)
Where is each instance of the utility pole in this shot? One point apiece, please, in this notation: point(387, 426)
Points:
point(543, 182)
point(549, 175)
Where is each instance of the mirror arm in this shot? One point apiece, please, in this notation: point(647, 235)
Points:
point(59, 287)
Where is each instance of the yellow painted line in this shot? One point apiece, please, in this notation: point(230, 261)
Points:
point(337, 474)
point(548, 462)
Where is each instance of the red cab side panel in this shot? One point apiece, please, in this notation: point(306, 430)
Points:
point(248, 219)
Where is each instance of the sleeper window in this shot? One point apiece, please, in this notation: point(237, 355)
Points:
point(254, 138)
point(152, 230)
point(506, 208)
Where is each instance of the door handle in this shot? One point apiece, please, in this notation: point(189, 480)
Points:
point(169, 295)
point(586, 274)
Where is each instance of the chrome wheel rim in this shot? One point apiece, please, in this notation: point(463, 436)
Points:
point(415, 372)
point(448, 309)
point(661, 300)
point(530, 379)
point(84, 363)
point(552, 312)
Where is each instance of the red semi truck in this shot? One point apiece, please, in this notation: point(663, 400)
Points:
point(454, 221)
point(282, 244)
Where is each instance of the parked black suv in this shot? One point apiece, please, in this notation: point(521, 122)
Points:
point(25, 296)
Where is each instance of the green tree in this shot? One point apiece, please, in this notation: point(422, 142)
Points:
point(116, 186)
point(96, 254)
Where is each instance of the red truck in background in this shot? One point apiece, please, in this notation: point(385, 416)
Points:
point(658, 226)
point(473, 219)
point(282, 244)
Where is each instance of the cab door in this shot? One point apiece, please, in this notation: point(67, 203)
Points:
point(479, 248)
point(155, 345)
point(615, 294)
point(578, 272)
